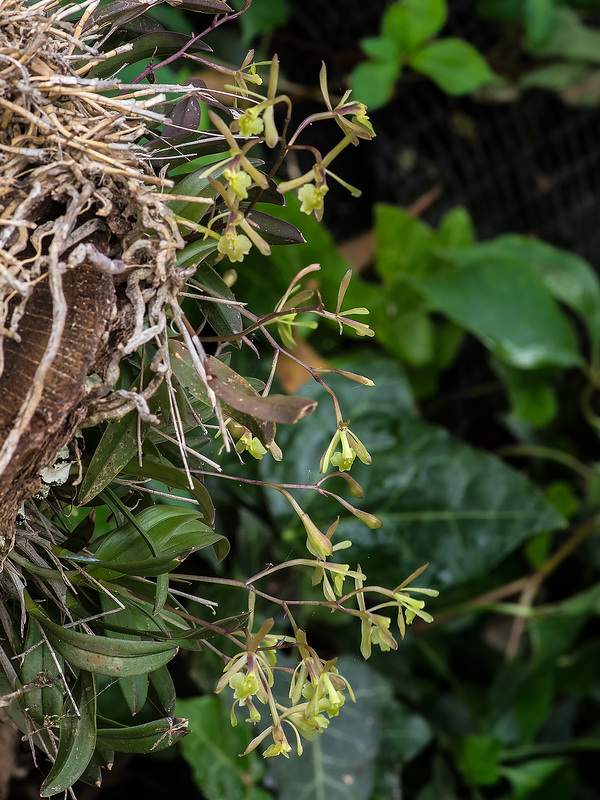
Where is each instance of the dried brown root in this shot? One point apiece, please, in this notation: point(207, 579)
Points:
point(87, 249)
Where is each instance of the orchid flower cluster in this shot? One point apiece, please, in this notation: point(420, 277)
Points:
point(317, 691)
point(232, 228)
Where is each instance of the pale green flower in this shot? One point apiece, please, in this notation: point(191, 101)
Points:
point(351, 447)
point(250, 444)
point(243, 686)
point(311, 197)
point(250, 123)
point(239, 181)
point(233, 245)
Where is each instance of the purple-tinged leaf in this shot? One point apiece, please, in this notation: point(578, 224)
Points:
point(117, 13)
point(202, 6)
point(185, 372)
point(274, 230)
point(237, 393)
point(150, 45)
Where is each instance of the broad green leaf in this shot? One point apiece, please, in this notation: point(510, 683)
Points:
point(508, 306)
point(341, 763)
point(134, 688)
point(404, 244)
point(404, 327)
point(540, 21)
point(440, 500)
point(569, 278)
point(147, 568)
point(405, 733)
point(171, 529)
point(212, 750)
point(372, 82)
point(411, 23)
point(478, 757)
point(77, 738)
point(455, 65)
point(571, 39)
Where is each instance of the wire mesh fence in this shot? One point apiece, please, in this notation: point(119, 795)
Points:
point(531, 165)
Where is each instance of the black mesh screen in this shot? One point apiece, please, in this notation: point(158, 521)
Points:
point(530, 166)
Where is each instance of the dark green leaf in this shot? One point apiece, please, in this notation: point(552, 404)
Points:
point(148, 738)
point(225, 319)
point(202, 6)
point(117, 12)
point(569, 278)
point(501, 10)
point(147, 568)
point(103, 655)
point(528, 777)
point(77, 738)
point(440, 500)
point(171, 529)
point(454, 65)
point(162, 691)
point(196, 252)
point(176, 479)
point(118, 445)
point(39, 666)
